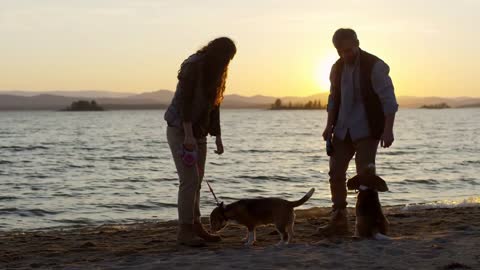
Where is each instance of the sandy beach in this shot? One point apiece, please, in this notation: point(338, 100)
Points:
point(437, 238)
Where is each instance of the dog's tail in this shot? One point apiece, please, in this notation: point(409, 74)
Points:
point(304, 199)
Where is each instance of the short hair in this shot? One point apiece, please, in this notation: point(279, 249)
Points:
point(343, 34)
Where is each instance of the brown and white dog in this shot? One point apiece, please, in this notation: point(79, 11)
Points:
point(256, 212)
point(370, 220)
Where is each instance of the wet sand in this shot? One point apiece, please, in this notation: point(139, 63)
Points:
point(421, 239)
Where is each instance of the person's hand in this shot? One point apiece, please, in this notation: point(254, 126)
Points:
point(219, 143)
point(190, 143)
point(327, 133)
point(387, 138)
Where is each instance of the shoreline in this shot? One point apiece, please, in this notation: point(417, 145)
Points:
point(429, 238)
point(469, 201)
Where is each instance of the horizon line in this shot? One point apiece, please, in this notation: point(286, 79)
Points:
point(227, 94)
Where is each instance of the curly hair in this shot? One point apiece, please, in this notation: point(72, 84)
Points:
point(217, 55)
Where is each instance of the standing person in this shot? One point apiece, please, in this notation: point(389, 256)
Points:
point(193, 114)
point(361, 111)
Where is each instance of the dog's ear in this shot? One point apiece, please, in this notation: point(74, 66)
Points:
point(221, 205)
point(354, 183)
point(379, 184)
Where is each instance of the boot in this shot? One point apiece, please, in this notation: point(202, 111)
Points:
point(338, 224)
point(202, 233)
point(187, 237)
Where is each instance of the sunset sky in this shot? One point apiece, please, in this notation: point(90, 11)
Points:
point(284, 47)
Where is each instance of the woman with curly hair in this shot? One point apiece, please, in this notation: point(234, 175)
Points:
point(193, 114)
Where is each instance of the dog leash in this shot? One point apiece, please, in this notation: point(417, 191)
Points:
point(208, 184)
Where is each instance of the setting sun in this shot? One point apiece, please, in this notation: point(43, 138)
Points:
point(163, 134)
point(322, 71)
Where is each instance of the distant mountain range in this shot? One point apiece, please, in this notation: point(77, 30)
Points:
point(56, 100)
point(81, 93)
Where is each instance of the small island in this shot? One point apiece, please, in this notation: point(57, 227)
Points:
point(442, 105)
point(310, 105)
point(83, 105)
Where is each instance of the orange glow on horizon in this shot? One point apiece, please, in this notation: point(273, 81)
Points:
point(284, 49)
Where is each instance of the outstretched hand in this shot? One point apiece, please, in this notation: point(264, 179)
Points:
point(219, 143)
point(327, 133)
point(190, 143)
point(387, 138)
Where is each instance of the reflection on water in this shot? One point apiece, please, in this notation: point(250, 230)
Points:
point(72, 168)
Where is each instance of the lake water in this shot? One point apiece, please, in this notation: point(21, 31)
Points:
point(72, 169)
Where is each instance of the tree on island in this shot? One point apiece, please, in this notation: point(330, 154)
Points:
point(278, 103)
point(442, 105)
point(84, 105)
point(310, 105)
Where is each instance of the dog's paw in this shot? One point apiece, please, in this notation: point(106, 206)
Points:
point(250, 244)
point(281, 244)
point(379, 236)
point(356, 238)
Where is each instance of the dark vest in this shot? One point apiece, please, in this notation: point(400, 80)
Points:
point(373, 106)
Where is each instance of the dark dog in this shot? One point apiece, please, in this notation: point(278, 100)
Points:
point(370, 221)
point(256, 212)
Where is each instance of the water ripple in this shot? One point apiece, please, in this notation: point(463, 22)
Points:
point(15, 148)
point(76, 169)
